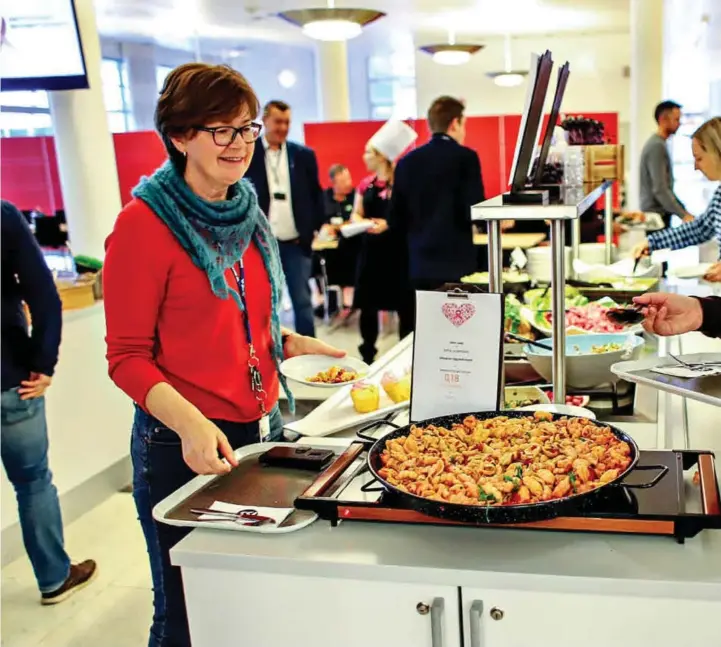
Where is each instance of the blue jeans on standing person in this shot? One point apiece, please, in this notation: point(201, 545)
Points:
point(158, 471)
point(25, 457)
point(297, 266)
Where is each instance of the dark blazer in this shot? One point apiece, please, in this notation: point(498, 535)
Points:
point(305, 191)
point(433, 190)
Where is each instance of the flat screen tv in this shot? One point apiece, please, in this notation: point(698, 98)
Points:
point(563, 73)
point(40, 47)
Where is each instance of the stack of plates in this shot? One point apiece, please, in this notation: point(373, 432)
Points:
point(539, 263)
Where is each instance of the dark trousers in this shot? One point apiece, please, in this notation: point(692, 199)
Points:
point(298, 268)
point(369, 327)
point(158, 471)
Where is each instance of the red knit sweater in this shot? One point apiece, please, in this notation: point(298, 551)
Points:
point(164, 324)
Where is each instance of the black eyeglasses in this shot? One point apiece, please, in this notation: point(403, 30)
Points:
point(225, 135)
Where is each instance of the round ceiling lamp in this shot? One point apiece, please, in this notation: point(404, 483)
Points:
point(330, 24)
point(286, 79)
point(451, 54)
point(509, 78)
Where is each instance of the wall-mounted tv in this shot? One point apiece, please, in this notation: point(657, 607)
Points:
point(40, 47)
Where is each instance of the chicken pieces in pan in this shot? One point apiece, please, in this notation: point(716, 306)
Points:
point(505, 461)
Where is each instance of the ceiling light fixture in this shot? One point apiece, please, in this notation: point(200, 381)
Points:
point(329, 23)
point(451, 53)
point(286, 79)
point(510, 78)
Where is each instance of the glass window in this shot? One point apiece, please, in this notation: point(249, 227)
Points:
point(24, 99)
point(161, 71)
point(392, 87)
point(116, 93)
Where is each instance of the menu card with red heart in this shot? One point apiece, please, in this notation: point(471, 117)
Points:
point(457, 354)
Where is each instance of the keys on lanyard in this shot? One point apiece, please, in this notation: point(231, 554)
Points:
point(256, 379)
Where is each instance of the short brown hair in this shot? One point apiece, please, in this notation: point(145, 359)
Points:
point(195, 94)
point(335, 169)
point(277, 104)
point(442, 113)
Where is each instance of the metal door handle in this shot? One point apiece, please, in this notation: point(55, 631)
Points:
point(476, 613)
point(437, 622)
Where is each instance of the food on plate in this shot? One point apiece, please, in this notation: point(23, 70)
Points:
point(508, 276)
point(366, 397)
point(334, 375)
point(605, 348)
point(572, 400)
point(505, 461)
point(515, 322)
point(632, 218)
point(398, 388)
point(592, 317)
point(521, 402)
point(542, 299)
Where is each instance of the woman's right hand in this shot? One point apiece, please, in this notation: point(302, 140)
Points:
point(201, 443)
point(642, 249)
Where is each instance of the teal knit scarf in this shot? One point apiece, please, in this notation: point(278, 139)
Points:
point(216, 235)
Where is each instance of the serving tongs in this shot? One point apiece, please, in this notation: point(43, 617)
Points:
point(696, 366)
point(244, 517)
point(525, 340)
point(626, 315)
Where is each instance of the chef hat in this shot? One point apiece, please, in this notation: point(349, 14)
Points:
point(392, 139)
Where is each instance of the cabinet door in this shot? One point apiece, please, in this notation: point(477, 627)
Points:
point(230, 609)
point(501, 618)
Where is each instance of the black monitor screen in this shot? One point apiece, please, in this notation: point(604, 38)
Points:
point(40, 46)
point(563, 73)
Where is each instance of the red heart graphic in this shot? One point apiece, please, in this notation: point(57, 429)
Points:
point(458, 313)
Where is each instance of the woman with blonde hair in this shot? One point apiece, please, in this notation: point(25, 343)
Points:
point(706, 147)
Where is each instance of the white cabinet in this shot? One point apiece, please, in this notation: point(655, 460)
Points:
point(230, 609)
point(505, 618)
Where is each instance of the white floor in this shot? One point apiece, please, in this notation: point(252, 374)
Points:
point(114, 611)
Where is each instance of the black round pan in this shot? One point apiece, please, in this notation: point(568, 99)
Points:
point(495, 514)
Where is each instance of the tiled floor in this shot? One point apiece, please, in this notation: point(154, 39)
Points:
point(115, 610)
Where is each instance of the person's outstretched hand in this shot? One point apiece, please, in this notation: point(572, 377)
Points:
point(670, 314)
point(301, 345)
point(201, 444)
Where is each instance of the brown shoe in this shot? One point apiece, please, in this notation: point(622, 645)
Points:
point(80, 576)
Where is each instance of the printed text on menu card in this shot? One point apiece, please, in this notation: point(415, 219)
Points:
point(456, 356)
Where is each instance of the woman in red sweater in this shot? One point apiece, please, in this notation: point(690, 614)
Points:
point(192, 288)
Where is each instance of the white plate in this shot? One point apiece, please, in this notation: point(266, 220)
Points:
point(299, 369)
point(691, 271)
point(356, 228)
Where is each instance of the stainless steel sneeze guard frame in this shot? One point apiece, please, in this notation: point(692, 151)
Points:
point(494, 211)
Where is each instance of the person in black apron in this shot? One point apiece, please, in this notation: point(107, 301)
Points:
point(382, 283)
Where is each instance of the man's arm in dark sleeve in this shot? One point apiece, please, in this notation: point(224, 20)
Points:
point(661, 182)
point(316, 192)
point(711, 326)
point(472, 183)
point(38, 291)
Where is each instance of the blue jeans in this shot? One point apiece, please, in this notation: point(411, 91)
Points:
point(158, 471)
point(297, 266)
point(25, 457)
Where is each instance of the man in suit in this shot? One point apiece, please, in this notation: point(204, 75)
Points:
point(285, 175)
point(434, 188)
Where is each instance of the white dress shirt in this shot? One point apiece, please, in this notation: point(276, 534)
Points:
point(280, 211)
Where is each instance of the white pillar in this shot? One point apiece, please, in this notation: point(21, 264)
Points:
point(646, 82)
point(84, 149)
point(333, 84)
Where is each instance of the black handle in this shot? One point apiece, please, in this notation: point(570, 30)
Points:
point(372, 425)
point(369, 487)
point(662, 471)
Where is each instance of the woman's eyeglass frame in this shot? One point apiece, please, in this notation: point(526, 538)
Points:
point(248, 133)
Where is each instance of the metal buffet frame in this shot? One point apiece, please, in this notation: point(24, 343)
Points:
point(568, 208)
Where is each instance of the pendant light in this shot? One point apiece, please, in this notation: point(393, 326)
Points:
point(330, 23)
point(509, 78)
point(451, 53)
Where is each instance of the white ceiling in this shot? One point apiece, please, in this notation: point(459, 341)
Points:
point(178, 22)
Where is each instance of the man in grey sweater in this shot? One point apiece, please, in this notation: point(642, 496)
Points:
point(656, 182)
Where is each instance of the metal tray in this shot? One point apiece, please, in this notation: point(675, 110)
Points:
point(703, 389)
point(248, 484)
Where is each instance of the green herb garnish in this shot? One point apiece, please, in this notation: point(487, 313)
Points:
point(483, 496)
point(519, 472)
point(508, 478)
point(572, 479)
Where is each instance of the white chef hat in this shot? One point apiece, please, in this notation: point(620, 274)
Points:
point(392, 139)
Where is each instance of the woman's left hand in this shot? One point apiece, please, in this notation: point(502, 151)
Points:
point(714, 273)
point(380, 226)
point(300, 345)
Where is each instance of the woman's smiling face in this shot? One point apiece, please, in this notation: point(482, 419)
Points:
point(213, 166)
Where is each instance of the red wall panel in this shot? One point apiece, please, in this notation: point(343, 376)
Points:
point(136, 154)
point(25, 173)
